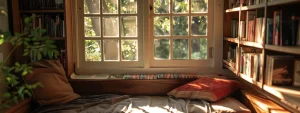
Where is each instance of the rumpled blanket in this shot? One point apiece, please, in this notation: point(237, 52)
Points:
point(128, 104)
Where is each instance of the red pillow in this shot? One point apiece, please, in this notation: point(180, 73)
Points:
point(206, 88)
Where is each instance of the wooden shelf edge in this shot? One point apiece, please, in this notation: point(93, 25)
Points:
point(234, 40)
point(229, 66)
point(286, 49)
point(250, 80)
point(236, 9)
point(251, 44)
point(288, 90)
point(42, 11)
point(282, 2)
point(252, 7)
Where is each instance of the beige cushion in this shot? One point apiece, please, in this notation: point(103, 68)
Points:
point(56, 88)
point(229, 105)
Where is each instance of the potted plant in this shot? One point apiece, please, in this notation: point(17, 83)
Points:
point(34, 44)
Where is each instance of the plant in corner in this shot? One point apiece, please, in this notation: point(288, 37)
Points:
point(35, 45)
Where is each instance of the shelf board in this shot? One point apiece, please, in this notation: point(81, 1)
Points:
point(42, 11)
point(57, 38)
point(251, 44)
point(250, 80)
point(233, 10)
point(282, 2)
point(286, 49)
point(229, 66)
point(287, 89)
point(252, 7)
point(289, 96)
point(233, 40)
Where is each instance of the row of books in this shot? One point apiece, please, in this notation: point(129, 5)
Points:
point(253, 2)
point(283, 29)
point(53, 23)
point(41, 4)
point(62, 57)
point(154, 76)
point(234, 28)
point(282, 70)
point(233, 3)
point(251, 30)
point(232, 55)
point(250, 62)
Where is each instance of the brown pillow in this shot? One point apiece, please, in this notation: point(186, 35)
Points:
point(56, 88)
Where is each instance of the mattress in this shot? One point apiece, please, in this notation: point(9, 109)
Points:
point(143, 104)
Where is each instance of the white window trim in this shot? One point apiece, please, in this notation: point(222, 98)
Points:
point(146, 66)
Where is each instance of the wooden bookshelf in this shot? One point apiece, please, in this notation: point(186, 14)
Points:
point(42, 11)
point(282, 2)
point(263, 10)
point(233, 40)
point(285, 49)
point(63, 40)
point(251, 44)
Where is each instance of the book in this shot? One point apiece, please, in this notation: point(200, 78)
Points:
point(242, 29)
point(276, 28)
point(280, 70)
point(269, 35)
point(250, 17)
point(296, 73)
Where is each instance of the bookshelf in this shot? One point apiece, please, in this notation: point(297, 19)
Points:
point(254, 43)
point(53, 15)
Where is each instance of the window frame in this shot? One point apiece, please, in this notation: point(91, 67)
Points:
point(146, 65)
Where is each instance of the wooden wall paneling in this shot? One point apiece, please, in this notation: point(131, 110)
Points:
point(69, 38)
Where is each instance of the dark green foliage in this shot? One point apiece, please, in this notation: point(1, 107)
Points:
point(36, 45)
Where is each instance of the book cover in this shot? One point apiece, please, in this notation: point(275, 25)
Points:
point(276, 28)
point(282, 70)
point(296, 73)
point(269, 35)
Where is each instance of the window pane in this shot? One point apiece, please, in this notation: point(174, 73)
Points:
point(111, 26)
point(161, 6)
point(129, 50)
point(110, 7)
point(180, 49)
point(180, 6)
point(161, 49)
point(111, 50)
point(91, 6)
point(162, 26)
point(199, 6)
point(199, 48)
point(128, 6)
point(92, 50)
point(129, 26)
point(180, 25)
point(199, 25)
point(92, 26)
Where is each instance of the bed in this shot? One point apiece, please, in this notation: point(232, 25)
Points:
point(62, 95)
point(109, 103)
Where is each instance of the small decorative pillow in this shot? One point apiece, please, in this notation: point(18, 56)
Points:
point(206, 88)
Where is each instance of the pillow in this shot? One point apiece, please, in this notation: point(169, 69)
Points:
point(56, 88)
point(206, 88)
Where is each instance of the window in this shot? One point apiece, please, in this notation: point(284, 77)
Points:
point(143, 35)
point(181, 32)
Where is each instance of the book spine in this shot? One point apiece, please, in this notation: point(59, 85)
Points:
point(269, 36)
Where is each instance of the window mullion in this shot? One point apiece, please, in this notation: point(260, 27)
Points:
point(101, 32)
point(171, 30)
point(189, 35)
point(119, 26)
